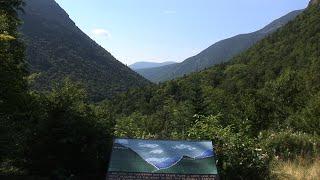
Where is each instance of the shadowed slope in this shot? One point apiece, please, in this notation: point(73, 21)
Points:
point(57, 48)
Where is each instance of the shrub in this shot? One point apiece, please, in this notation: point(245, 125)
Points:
point(289, 145)
point(238, 156)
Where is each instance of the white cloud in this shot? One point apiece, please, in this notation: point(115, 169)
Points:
point(144, 145)
point(156, 151)
point(169, 12)
point(184, 146)
point(101, 32)
point(157, 160)
point(122, 141)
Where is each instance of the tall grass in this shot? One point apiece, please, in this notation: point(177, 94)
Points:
point(299, 169)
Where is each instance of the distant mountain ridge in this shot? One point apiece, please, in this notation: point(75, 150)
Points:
point(219, 52)
point(145, 64)
point(57, 48)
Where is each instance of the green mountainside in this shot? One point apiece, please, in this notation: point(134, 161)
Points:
point(57, 48)
point(219, 52)
point(272, 84)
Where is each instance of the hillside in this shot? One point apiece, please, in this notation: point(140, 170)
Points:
point(57, 48)
point(144, 65)
point(219, 52)
point(273, 83)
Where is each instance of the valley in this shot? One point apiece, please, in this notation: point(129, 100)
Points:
point(64, 97)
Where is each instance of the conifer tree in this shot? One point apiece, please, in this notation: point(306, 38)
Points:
point(13, 85)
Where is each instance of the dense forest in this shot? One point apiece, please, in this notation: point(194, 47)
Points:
point(260, 109)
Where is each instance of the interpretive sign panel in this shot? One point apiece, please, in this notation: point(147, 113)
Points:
point(159, 159)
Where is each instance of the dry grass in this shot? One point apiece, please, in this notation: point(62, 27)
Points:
point(299, 169)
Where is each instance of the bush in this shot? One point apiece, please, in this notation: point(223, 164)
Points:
point(70, 137)
point(238, 156)
point(288, 145)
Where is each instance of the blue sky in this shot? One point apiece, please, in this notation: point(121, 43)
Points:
point(170, 30)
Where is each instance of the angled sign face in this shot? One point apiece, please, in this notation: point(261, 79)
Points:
point(159, 159)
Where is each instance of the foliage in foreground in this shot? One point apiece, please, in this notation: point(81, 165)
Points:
point(64, 136)
point(69, 135)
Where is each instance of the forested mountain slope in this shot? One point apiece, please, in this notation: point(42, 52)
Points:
point(274, 83)
point(219, 52)
point(57, 48)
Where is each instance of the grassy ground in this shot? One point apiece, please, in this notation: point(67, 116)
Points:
point(300, 169)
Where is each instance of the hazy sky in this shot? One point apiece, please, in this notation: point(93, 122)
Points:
point(170, 30)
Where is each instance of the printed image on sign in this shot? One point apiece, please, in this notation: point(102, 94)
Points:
point(159, 159)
